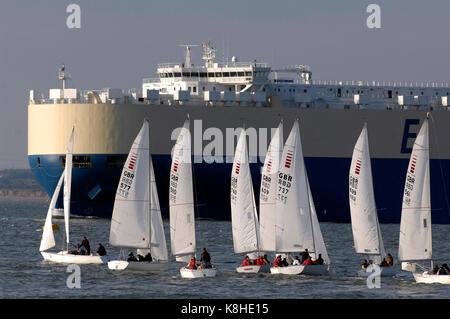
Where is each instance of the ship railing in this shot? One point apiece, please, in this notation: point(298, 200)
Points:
point(219, 65)
point(151, 80)
point(408, 84)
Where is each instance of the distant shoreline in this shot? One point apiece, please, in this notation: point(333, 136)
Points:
point(22, 195)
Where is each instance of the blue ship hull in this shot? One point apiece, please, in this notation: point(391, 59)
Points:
point(93, 189)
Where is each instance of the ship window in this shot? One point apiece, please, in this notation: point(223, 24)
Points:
point(194, 89)
point(203, 88)
point(241, 73)
point(77, 161)
point(177, 74)
point(211, 74)
point(214, 88)
point(187, 74)
point(218, 74)
point(39, 161)
point(229, 89)
point(203, 74)
point(194, 74)
point(248, 73)
point(170, 75)
point(115, 161)
point(410, 93)
point(226, 73)
point(233, 73)
point(447, 93)
point(437, 93)
point(162, 75)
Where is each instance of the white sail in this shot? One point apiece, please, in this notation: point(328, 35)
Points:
point(48, 239)
point(181, 198)
point(293, 220)
point(415, 241)
point(67, 184)
point(158, 244)
point(268, 192)
point(363, 211)
point(130, 222)
point(319, 243)
point(244, 218)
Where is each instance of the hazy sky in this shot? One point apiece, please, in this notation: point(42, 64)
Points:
point(120, 42)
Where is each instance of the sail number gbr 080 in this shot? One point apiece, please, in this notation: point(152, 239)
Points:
point(125, 183)
point(284, 185)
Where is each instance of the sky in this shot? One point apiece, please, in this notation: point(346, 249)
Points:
point(121, 42)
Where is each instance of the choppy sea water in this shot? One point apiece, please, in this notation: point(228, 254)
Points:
point(24, 274)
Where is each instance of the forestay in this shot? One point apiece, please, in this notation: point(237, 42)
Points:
point(244, 218)
point(181, 197)
point(363, 211)
point(268, 192)
point(415, 241)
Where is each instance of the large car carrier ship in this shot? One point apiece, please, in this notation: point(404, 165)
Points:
point(222, 97)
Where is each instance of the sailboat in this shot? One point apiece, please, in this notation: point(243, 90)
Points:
point(181, 201)
point(297, 226)
point(244, 216)
point(415, 243)
point(48, 239)
point(136, 221)
point(363, 211)
point(268, 192)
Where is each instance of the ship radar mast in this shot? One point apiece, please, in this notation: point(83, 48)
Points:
point(63, 76)
point(187, 60)
point(208, 54)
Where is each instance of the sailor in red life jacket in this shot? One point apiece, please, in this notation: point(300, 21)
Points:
point(308, 261)
point(260, 261)
point(277, 261)
point(246, 261)
point(192, 264)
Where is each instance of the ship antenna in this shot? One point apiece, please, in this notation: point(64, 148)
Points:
point(63, 76)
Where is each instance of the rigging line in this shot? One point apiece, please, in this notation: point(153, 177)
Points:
point(440, 163)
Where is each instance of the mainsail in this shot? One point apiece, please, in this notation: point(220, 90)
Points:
point(268, 192)
point(363, 211)
point(181, 198)
point(415, 241)
point(293, 210)
point(130, 222)
point(67, 184)
point(244, 218)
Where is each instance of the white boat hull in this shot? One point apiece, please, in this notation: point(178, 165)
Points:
point(426, 278)
point(316, 270)
point(253, 269)
point(66, 258)
point(137, 265)
point(198, 273)
point(385, 272)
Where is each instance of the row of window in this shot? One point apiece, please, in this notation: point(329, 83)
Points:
point(83, 161)
point(205, 74)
